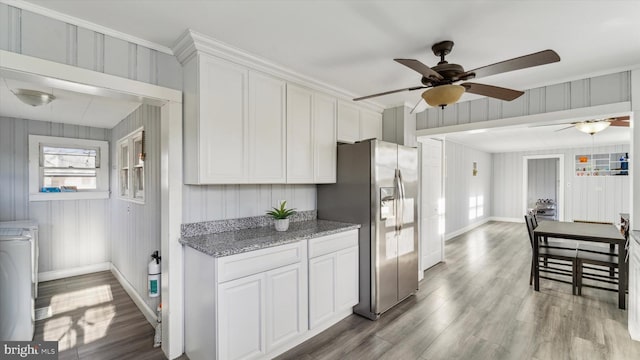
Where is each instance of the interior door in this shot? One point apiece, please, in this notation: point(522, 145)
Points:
point(385, 264)
point(432, 222)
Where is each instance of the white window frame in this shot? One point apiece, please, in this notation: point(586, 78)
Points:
point(129, 140)
point(35, 180)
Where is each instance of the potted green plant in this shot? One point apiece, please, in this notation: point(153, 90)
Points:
point(281, 216)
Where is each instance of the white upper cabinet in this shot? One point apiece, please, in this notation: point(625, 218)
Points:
point(311, 136)
point(267, 129)
point(370, 125)
point(216, 146)
point(325, 151)
point(299, 135)
point(355, 123)
point(348, 122)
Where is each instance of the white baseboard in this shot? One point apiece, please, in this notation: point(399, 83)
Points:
point(80, 270)
point(463, 230)
point(148, 313)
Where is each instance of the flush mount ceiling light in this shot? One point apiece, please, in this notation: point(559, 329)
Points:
point(443, 95)
point(33, 97)
point(592, 127)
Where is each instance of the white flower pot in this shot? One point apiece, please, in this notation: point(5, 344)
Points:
point(281, 224)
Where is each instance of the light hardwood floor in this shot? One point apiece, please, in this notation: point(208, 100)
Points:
point(92, 317)
point(479, 305)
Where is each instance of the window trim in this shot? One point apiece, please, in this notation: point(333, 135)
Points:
point(129, 141)
point(102, 172)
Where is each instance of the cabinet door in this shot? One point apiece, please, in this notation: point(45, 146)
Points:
point(322, 289)
point(324, 125)
point(286, 304)
point(348, 123)
point(241, 322)
point(267, 129)
point(299, 135)
point(222, 121)
point(370, 125)
point(347, 290)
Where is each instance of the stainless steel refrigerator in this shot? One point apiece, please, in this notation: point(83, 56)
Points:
point(377, 187)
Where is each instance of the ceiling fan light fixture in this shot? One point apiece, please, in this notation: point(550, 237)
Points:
point(443, 95)
point(33, 97)
point(592, 127)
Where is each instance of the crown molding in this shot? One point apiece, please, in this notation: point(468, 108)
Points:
point(40, 10)
point(191, 43)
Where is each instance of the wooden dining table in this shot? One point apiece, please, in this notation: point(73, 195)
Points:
point(603, 233)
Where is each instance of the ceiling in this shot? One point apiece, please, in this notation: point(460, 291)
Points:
point(68, 107)
point(509, 139)
point(351, 44)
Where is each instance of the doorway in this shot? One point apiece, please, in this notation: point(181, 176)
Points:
point(543, 189)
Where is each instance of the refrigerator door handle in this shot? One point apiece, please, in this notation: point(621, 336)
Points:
point(400, 221)
point(398, 204)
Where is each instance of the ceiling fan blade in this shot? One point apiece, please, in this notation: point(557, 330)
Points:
point(419, 67)
point(492, 91)
point(522, 62)
point(619, 123)
point(390, 92)
point(565, 128)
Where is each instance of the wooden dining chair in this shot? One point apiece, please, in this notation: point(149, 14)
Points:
point(555, 243)
point(601, 266)
point(552, 260)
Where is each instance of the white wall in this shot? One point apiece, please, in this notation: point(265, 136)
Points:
point(31, 34)
point(599, 198)
point(73, 233)
point(542, 180)
point(217, 202)
point(461, 187)
point(135, 227)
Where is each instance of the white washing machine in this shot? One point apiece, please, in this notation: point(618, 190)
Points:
point(32, 226)
point(17, 301)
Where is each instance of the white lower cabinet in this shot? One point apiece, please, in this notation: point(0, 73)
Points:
point(333, 277)
point(258, 304)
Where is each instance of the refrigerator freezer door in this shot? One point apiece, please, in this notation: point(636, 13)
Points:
point(408, 237)
point(384, 240)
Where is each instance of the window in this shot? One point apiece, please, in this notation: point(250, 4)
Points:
point(131, 167)
point(67, 169)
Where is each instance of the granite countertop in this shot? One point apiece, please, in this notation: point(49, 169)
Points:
point(243, 240)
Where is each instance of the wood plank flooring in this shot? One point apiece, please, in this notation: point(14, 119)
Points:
point(479, 305)
point(92, 317)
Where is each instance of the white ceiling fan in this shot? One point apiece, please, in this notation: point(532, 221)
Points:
point(594, 126)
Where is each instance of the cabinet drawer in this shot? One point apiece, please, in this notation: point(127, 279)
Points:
point(253, 262)
point(332, 243)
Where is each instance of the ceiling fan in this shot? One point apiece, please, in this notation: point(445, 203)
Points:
point(593, 126)
point(441, 78)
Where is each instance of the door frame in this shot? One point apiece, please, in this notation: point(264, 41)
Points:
point(67, 77)
point(525, 180)
point(441, 211)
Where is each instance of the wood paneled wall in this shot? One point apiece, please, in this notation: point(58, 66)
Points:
point(593, 198)
point(36, 35)
point(600, 90)
point(462, 188)
point(217, 202)
point(73, 233)
point(135, 228)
